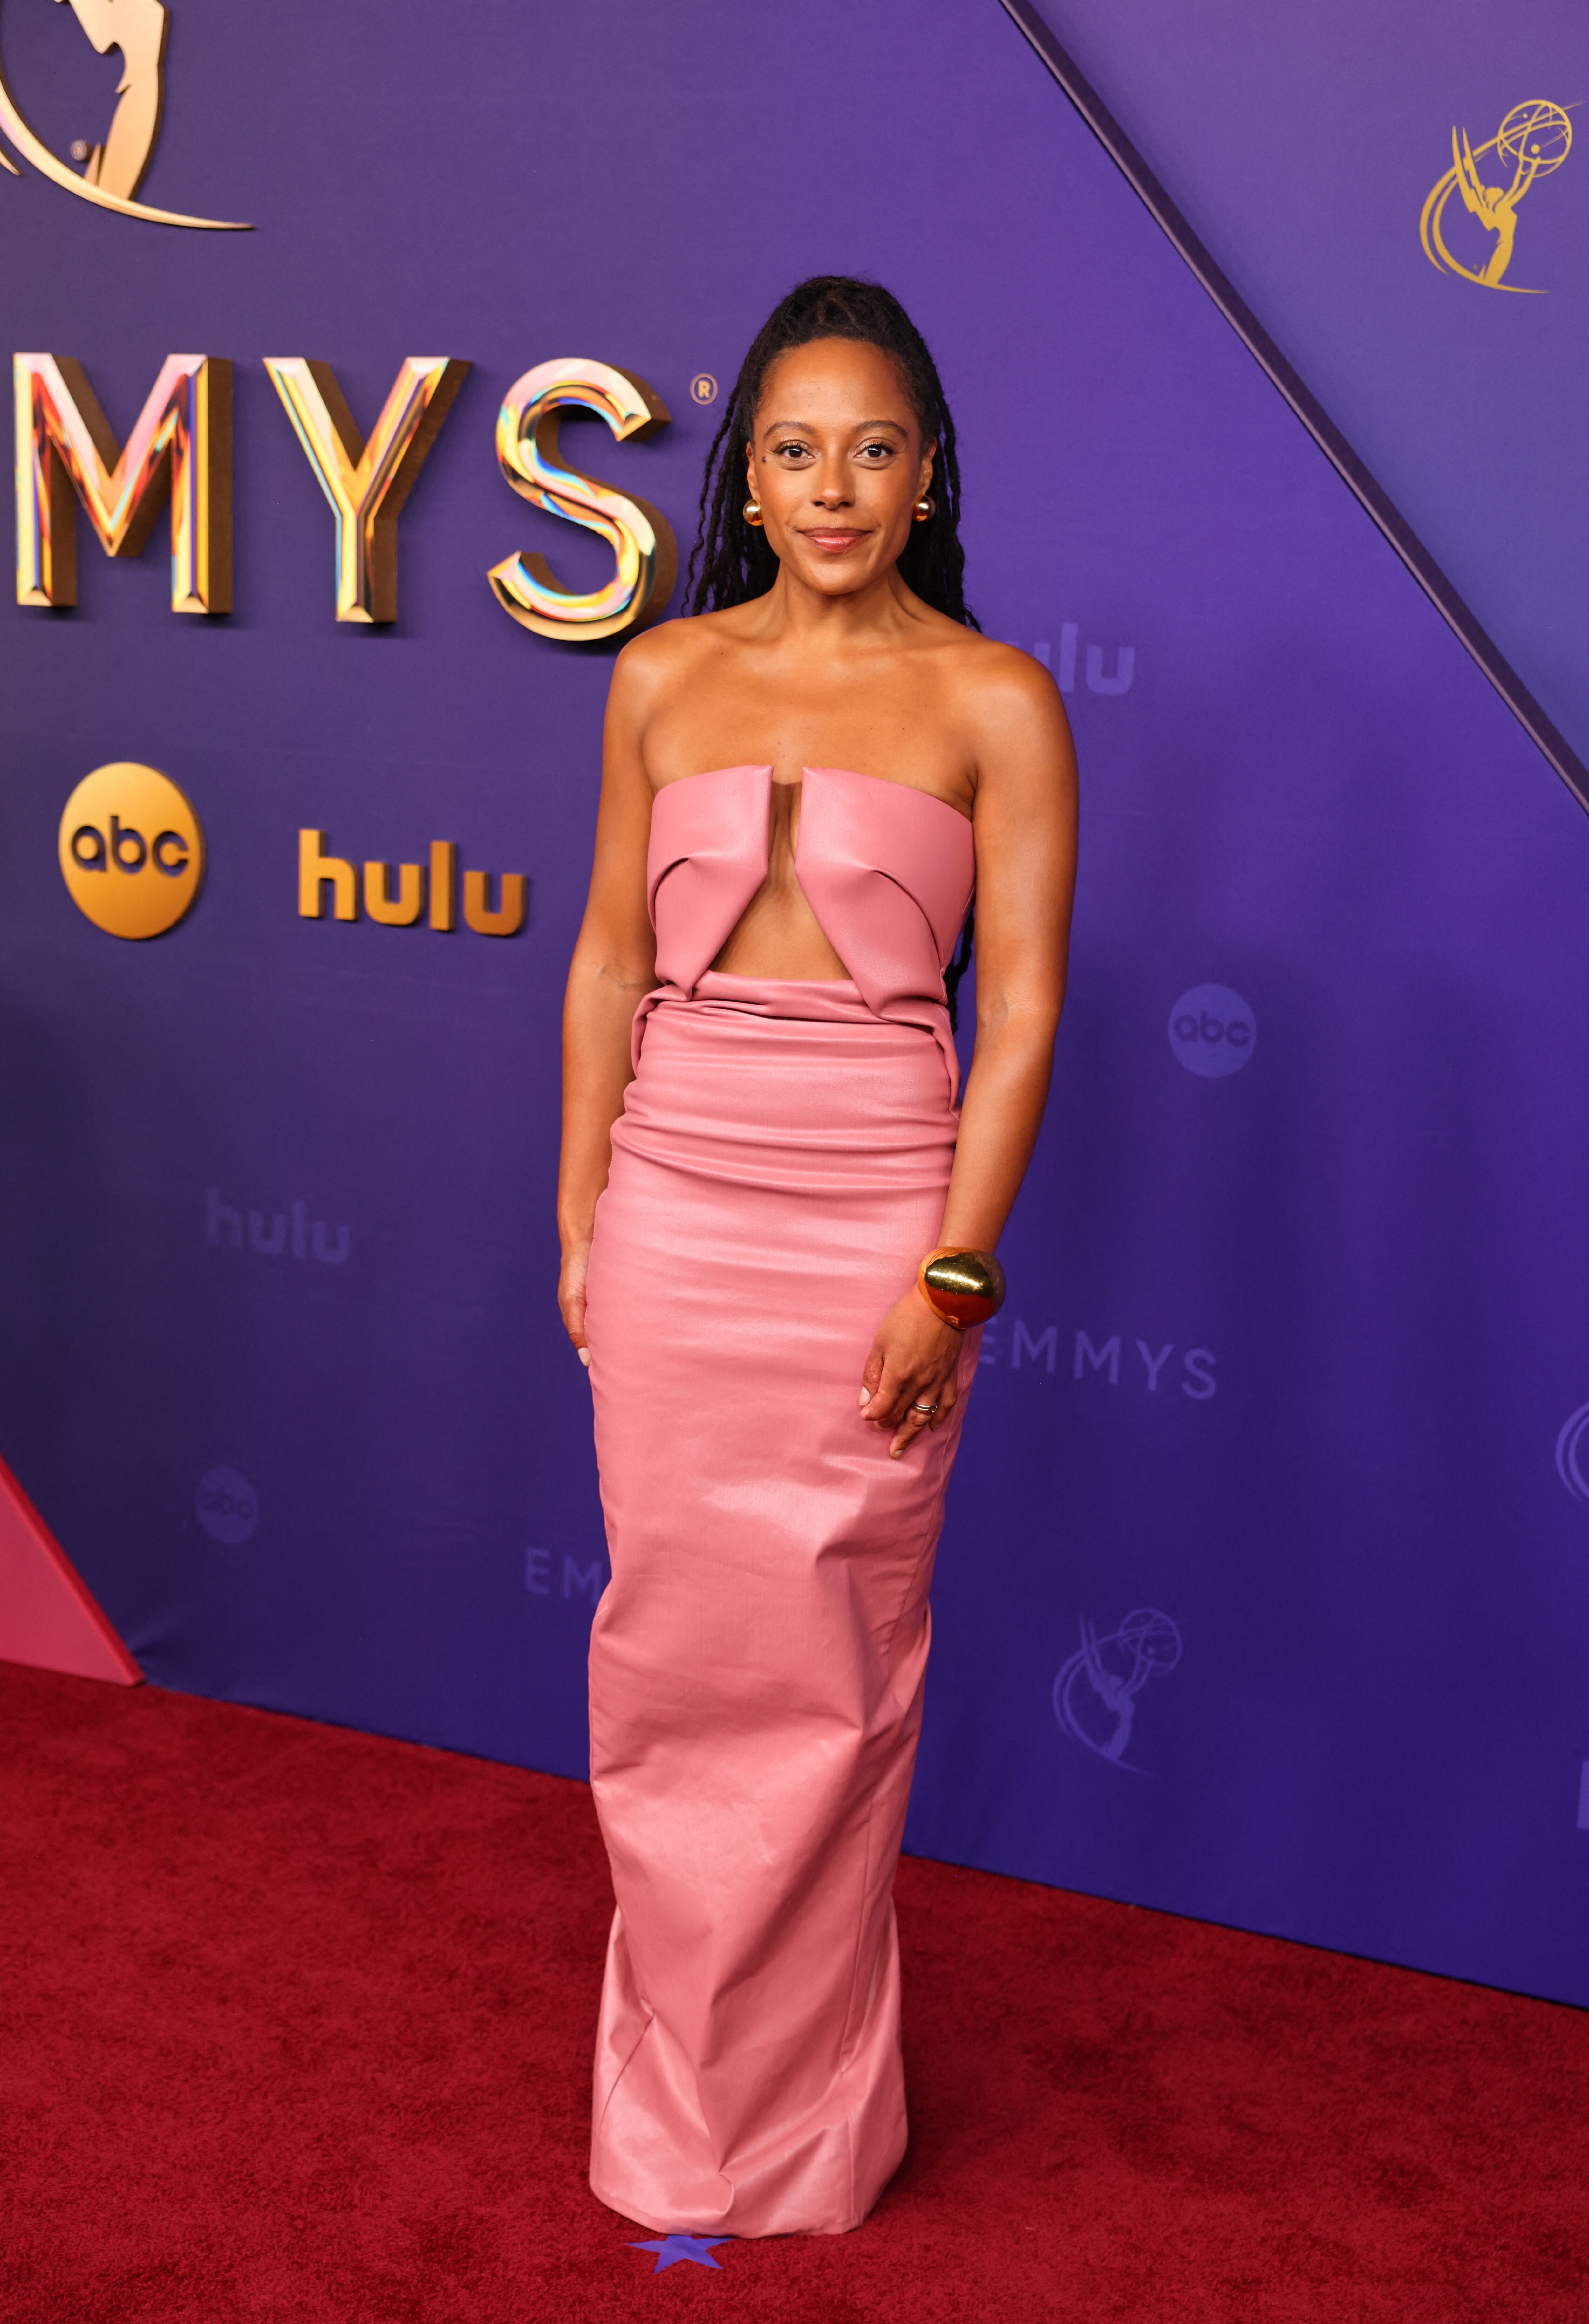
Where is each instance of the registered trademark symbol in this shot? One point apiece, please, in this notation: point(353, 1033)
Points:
point(79, 149)
point(704, 387)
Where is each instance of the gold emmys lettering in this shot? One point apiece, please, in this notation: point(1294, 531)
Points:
point(1532, 142)
point(67, 455)
point(114, 171)
point(179, 450)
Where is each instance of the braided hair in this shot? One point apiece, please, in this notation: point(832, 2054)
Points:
point(731, 562)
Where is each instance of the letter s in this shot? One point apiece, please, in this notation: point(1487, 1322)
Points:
point(1199, 1366)
point(638, 535)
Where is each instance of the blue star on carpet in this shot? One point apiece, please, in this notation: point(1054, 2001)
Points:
point(673, 2248)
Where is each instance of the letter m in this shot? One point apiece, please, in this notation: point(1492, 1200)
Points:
point(1044, 1344)
point(574, 1579)
point(180, 447)
point(1109, 1353)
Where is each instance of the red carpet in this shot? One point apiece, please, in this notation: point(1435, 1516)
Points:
point(297, 2026)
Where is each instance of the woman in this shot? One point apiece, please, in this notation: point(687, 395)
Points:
point(802, 787)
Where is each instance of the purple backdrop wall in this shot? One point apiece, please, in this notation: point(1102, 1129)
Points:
point(1303, 154)
point(1263, 1596)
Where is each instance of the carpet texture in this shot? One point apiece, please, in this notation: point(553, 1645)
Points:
point(298, 2024)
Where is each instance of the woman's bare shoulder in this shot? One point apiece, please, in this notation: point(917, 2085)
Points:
point(983, 665)
point(675, 649)
point(1000, 696)
point(661, 666)
point(656, 658)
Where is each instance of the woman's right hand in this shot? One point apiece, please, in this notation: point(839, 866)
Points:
point(571, 1294)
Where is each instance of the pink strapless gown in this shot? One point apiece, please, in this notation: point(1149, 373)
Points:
point(757, 1660)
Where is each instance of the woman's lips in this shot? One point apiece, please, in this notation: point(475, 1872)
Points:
point(834, 541)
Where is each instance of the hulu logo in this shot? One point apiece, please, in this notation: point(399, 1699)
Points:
point(274, 1234)
point(418, 890)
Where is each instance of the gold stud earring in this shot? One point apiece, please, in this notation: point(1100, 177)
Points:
point(925, 507)
point(753, 511)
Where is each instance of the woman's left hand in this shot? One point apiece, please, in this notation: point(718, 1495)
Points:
point(912, 1367)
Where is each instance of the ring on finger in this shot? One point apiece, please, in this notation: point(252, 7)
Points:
point(927, 1409)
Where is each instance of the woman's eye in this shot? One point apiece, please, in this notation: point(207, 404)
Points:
point(796, 451)
point(876, 452)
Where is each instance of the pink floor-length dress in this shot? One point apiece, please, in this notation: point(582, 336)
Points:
point(757, 1660)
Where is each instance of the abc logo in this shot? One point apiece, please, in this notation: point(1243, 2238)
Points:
point(226, 1506)
point(1212, 1030)
point(132, 853)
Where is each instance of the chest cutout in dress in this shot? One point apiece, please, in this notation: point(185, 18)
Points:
point(778, 934)
point(886, 871)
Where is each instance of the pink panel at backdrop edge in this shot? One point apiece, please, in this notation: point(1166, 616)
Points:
point(47, 1617)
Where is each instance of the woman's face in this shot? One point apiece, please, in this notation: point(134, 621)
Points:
point(837, 464)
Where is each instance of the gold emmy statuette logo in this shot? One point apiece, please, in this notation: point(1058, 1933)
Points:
point(113, 172)
point(1532, 142)
point(131, 850)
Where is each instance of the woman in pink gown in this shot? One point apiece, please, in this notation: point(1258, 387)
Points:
point(803, 786)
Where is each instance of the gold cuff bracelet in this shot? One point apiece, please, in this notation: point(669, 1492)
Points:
point(961, 1286)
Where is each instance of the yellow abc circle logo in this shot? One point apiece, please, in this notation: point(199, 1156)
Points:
point(132, 853)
